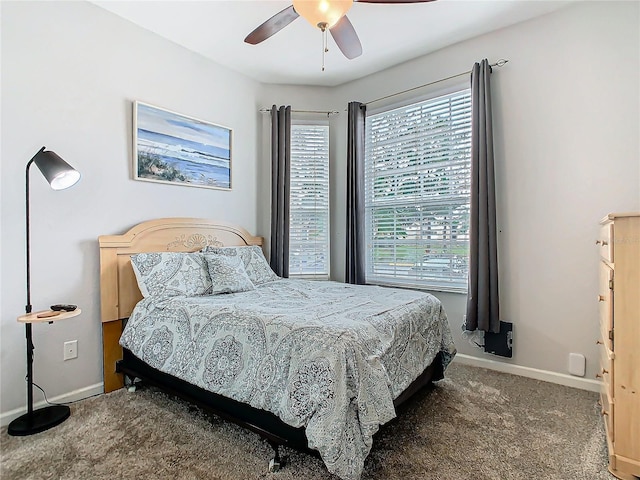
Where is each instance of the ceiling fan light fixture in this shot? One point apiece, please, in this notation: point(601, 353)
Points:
point(322, 12)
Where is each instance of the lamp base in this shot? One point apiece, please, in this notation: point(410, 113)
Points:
point(39, 420)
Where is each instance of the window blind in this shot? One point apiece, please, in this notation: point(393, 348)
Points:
point(417, 193)
point(309, 201)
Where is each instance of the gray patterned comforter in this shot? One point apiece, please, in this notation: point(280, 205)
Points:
point(324, 355)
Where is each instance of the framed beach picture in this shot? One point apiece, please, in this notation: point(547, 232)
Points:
point(172, 148)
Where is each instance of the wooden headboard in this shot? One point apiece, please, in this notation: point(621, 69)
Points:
point(119, 291)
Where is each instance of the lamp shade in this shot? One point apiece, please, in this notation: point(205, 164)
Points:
point(318, 12)
point(58, 173)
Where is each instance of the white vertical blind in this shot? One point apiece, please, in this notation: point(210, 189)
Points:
point(309, 214)
point(417, 193)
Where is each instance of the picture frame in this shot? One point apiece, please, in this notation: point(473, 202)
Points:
point(177, 149)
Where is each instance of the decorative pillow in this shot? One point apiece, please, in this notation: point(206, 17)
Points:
point(255, 264)
point(169, 274)
point(228, 274)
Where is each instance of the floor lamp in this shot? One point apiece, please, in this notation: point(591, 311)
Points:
point(60, 175)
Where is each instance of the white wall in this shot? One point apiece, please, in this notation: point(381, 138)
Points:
point(567, 144)
point(70, 71)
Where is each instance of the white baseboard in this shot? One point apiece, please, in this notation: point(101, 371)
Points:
point(544, 375)
point(91, 390)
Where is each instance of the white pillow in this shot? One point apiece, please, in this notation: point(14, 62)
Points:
point(169, 274)
point(228, 274)
point(253, 259)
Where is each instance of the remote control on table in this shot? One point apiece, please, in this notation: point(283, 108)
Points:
point(61, 306)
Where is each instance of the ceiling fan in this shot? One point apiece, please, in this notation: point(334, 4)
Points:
point(324, 14)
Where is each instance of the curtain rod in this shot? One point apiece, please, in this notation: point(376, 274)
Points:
point(500, 63)
point(268, 110)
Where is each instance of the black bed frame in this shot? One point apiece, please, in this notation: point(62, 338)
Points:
point(264, 423)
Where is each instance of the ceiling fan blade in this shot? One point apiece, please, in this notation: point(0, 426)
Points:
point(272, 26)
point(346, 38)
point(393, 1)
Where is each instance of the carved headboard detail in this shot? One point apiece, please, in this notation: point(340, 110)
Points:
point(194, 241)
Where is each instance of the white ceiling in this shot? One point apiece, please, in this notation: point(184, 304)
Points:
point(390, 34)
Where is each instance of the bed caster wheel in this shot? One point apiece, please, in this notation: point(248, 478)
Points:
point(274, 465)
point(277, 461)
point(131, 383)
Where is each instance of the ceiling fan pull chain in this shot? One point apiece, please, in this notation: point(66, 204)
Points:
point(325, 48)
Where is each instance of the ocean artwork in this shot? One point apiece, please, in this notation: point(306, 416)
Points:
point(176, 149)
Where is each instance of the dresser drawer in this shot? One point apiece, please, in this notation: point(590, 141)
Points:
point(606, 371)
point(605, 242)
point(605, 303)
point(607, 412)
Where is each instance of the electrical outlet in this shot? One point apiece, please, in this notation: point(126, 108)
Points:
point(70, 350)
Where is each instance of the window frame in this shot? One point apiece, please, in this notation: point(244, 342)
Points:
point(450, 89)
point(316, 276)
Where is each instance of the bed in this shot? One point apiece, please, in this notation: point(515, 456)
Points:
point(317, 366)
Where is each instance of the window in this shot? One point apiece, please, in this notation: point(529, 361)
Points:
point(309, 201)
point(417, 193)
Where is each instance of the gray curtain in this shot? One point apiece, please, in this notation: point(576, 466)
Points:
point(280, 185)
point(354, 272)
point(483, 305)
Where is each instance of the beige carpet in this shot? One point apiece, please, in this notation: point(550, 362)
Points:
point(476, 424)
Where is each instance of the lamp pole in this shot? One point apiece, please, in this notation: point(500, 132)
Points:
point(28, 307)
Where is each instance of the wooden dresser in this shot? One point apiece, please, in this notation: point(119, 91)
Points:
point(619, 301)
